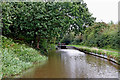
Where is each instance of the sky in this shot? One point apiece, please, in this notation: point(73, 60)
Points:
point(103, 10)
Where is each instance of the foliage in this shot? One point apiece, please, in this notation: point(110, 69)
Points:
point(101, 35)
point(0, 63)
point(17, 57)
point(43, 21)
point(71, 38)
point(68, 38)
point(78, 39)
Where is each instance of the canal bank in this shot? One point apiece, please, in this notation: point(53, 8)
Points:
point(106, 54)
point(16, 58)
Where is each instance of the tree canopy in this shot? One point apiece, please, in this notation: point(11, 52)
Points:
point(38, 21)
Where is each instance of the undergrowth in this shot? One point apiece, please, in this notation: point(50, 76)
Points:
point(17, 57)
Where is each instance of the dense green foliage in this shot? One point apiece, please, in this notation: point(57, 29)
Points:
point(68, 38)
point(71, 38)
point(100, 35)
point(40, 23)
point(0, 58)
point(17, 57)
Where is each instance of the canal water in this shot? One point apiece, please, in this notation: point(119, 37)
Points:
point(69, 63)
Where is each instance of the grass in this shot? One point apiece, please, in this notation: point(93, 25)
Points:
point(17, 57)
point(109, 52)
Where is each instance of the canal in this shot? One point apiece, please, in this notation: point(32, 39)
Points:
point(69, 63)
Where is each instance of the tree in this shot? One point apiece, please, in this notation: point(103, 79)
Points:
point(43, 21)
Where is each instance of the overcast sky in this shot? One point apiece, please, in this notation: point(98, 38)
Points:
point(104, 10)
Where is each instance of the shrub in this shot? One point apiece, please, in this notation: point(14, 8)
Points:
point(101, 35)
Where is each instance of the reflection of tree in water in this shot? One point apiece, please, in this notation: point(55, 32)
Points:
point(74, 64)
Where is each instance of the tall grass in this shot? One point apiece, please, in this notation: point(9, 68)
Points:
point(17, 57)
point(109, 53)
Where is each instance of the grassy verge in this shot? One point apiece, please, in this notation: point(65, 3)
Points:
point(17, 57)
point(109, 52)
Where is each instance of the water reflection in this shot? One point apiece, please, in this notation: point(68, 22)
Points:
point(74, 61)
point(68, 63)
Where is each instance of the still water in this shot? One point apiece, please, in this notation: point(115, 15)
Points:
point(69, 63)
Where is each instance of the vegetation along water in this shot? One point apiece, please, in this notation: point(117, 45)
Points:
point(30, 30)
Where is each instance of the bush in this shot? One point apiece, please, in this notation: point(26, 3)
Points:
point(101, 35)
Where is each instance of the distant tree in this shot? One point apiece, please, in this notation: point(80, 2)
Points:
point(111, 23)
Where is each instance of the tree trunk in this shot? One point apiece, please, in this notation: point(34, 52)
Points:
point(38, 40)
